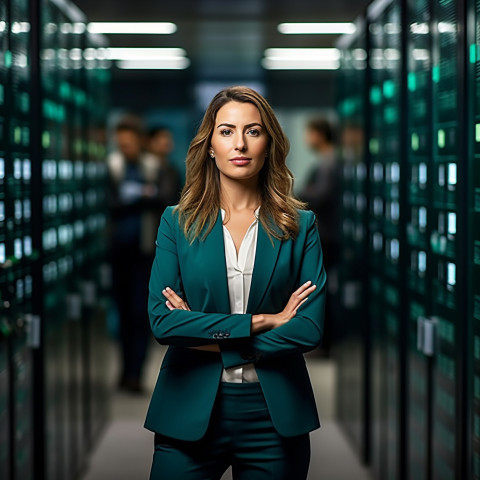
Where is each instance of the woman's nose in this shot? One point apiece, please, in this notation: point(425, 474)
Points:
point(240, 143)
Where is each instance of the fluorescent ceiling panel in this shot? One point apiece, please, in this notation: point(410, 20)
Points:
point(303, 53)
point(167, 64)
point(292, 64)
point(153, 28)
point(132, 53)
point(322, 28)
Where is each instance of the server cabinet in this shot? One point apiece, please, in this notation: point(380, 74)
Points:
point(473, 121)
point(418, 199)
point(5, 400)
point(19, 248)
point(447, 248)
point(351, 351)
point(45, 307)
point(422, 237)
point(386, 237)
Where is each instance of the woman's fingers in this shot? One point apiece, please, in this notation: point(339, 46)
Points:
point(300, 289)
point(306, 292)
point(173, 300)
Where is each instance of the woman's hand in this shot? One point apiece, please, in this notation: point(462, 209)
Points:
point(173, 300)
point(176, 302)
point(269, 321)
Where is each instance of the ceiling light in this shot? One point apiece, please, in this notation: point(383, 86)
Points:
point(315, 54)
point(328, 28)
point(179, 63)
point(299, 64)
point(301, 59)
point(132, 53)
point(155, 28)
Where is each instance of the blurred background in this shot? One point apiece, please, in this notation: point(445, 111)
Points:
point(380, 100)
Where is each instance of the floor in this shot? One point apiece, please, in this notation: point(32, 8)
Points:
point(124, 452)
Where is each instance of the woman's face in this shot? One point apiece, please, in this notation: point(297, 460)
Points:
point(239, 141)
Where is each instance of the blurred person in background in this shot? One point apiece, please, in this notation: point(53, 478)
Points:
point(237, 291)
point(161, 144)
point(322, 192)
point(136, 201)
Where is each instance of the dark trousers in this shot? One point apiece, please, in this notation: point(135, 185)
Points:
point(240, 434)
point(131, 271)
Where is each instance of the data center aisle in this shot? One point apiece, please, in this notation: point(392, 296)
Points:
point(125, 450)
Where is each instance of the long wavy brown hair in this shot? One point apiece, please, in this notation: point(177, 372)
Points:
point(200, 199)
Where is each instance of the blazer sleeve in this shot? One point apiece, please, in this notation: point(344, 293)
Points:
point(304, 331)
point(183, 327)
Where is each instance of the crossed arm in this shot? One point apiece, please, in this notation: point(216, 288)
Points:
point(260, 322)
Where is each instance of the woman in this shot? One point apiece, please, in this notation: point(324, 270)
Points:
point(237, 291)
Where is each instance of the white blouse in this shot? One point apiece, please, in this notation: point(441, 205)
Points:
point(239, 276)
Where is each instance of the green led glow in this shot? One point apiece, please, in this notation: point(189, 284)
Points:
point(412, 81)
point(473, 53)
point(2, 94)
point(415, 142)
point(374, 146)
point(436, 73)
point(8, 58)
point(441, 138)
point(375, 95)
point(390, 115)
point(65, 90)
point(17, 135)
point(477, 132)
point(388, 88)
point(46, 139)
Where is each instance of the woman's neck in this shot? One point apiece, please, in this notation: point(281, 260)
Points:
point(239, 195)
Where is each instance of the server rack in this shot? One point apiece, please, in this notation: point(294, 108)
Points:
point(418, 199)
point(472, 413)
point(421, 193)
point(53, 103)
point(19, 247)
point(352, 345)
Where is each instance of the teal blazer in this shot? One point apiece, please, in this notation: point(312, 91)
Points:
point(188, 381)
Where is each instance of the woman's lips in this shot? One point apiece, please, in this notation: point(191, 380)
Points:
point(240, 161)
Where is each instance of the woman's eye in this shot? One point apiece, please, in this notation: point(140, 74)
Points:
point(254, 132)
point(226, 132)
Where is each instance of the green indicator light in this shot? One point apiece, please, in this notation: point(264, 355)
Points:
point(412, 81)
point(374, 146)
point(8, 58)
point(441, 138)
point(17, 135)
point(65, 90)
point(473, 53)
point(390, 115)
point(436, 74)
point(477, 132)
point(415, 142)
point(375, 95)
point(46, 139)
point(388, 88)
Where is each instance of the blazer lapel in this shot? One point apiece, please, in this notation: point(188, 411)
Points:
point(214, 249)
point(265, 260)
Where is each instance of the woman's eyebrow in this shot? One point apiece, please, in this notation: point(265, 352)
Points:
point(229, 125)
